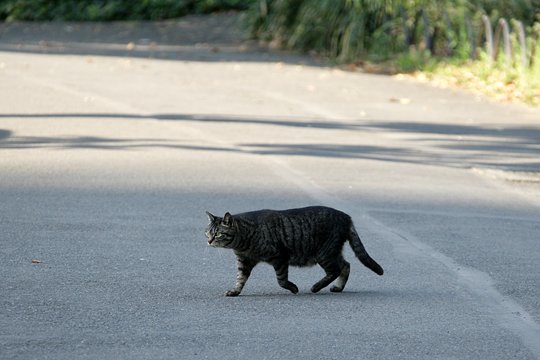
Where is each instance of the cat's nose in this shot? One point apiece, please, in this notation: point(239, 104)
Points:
point(210, 241)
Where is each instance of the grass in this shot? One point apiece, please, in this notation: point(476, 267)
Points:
point(495, 80)
point(522, 85)
point(501, 81)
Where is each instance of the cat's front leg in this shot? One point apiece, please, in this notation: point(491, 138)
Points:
point(244, 270)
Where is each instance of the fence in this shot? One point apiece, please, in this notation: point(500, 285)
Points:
point(478, 36)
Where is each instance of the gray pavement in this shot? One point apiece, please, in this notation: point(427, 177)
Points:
point(110, 154)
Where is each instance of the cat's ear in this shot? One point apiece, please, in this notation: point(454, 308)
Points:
point(227, 219)
point(211, 217)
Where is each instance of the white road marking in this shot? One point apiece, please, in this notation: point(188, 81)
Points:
point(507, 312)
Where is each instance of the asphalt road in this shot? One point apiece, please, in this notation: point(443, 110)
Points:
point(113, 145)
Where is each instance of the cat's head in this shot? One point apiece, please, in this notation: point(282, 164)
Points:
point(220, 231)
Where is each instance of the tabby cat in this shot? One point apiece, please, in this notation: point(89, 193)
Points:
point(298, 237)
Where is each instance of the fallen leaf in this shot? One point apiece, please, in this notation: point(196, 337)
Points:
point(403, 101)
point(350, 67)
point(36, 261)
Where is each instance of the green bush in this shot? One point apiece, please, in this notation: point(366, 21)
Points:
point(105, 10)
point(347, 29)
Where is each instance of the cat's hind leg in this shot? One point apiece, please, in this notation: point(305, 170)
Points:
point(343, 277)
point(333, 271)
point(282, 274)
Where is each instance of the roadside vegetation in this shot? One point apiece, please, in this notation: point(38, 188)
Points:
point(109, 10)
point(443, 40)
point(446, 41)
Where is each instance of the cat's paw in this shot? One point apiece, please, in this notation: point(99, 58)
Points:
point(315, 289)
point(289, 286)
point(336, 289)
point(293, 288)
point(232, 293)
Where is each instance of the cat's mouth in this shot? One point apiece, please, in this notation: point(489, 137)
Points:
point(210, 241)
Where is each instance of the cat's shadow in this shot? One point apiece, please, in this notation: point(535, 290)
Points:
point(308, 294)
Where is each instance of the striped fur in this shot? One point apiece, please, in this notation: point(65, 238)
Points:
point(297, 237)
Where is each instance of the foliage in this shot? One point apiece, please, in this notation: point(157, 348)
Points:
point(442, 37)
point(345, 29)
point(498, 80)
point(104, 10)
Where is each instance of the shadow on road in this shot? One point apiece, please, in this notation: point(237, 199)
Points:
point(217, 37)
point(210, 118)
point(441, 144)
point(365, 294)
point(4, 134)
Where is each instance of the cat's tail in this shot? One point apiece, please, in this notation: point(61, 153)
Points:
point(361, 253)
